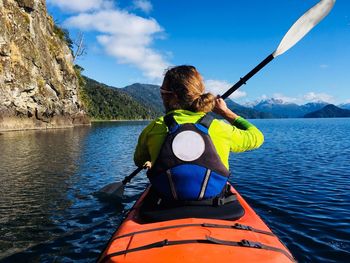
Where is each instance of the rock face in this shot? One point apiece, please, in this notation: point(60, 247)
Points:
point(38, 85)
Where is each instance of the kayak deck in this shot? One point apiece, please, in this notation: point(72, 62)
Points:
point(247, 239)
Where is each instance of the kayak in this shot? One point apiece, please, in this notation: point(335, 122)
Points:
point(241, 237)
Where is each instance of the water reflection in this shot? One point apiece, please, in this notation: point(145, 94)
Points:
point(47, 177)
point(35, 173)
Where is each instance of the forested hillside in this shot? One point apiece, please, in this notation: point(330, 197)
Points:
point(146, 94)
point(103, 102)
point(137, 101)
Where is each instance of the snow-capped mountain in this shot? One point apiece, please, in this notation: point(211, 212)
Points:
point(283, 109)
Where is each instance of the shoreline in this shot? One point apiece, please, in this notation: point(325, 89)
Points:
point(45, 128)
point(48, 128)
point(139, 120)
point(126, 120)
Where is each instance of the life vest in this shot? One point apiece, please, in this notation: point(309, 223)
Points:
point(188, 166)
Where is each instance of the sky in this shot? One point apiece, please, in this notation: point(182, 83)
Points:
point(135, 41)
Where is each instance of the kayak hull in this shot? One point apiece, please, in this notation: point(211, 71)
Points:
point(247, 239)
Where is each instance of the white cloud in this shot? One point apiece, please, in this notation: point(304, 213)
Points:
point(315, 97)
point(116, 22)
point(143, 5)
point(127, 37)
point(81, 5)
point(324, 66)
point(219, 87)
point(130, 52)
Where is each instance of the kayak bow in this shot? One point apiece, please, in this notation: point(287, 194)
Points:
point(247, 239)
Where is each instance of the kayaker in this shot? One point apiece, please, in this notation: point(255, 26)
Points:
point(187, 150)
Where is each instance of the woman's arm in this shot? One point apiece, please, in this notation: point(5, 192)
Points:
point(243, 135)
point(222, 109)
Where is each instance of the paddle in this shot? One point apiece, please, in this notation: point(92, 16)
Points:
point(117, 189)
point(299, 29)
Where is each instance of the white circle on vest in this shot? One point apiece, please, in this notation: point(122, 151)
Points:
point(188, 146)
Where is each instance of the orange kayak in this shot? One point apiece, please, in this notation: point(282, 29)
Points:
point(243, 239)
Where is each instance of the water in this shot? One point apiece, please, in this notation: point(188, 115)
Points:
point(298, 182)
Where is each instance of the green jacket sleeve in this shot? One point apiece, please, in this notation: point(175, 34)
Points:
point(245, 136)
point(240, 136)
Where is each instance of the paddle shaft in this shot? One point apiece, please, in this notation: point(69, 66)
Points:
point(243, 80)
point(132, 175)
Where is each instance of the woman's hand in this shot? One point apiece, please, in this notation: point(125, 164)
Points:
point(220, 106)
point(147, 165)
point(222, 109)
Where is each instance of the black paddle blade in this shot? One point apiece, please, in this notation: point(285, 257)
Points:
point(115, 190)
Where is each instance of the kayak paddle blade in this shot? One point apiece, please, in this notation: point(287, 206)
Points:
point(304, 24)
point(114, 189)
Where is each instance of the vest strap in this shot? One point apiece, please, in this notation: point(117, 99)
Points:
point(170, 122)
point(206, 120)
point(204, 184)
point(171, 184)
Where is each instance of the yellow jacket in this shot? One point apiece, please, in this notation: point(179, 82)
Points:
point(241, 136)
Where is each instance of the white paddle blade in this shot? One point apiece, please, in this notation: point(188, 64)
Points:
point(304, 24)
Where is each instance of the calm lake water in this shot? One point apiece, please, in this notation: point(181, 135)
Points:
point(298, 182)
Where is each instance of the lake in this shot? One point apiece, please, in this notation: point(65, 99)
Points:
point(298, 182)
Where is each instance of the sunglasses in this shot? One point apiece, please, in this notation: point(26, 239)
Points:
point(163, 91)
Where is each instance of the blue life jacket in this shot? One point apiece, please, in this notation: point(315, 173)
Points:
point(188, 166)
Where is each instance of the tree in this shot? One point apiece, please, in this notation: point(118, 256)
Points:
point(79, 48)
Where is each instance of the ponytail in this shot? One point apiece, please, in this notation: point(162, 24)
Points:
point(204, 103)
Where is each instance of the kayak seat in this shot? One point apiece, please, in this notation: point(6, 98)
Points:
point(152, 210)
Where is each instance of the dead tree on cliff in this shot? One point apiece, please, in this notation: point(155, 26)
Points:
point(79, 46)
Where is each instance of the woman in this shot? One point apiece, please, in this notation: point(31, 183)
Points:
point(187, 150)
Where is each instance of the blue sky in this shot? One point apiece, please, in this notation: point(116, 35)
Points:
point(134, 41)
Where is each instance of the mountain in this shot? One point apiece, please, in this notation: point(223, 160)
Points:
point(248, 112)
point(107, 103)
point(147, 95)
point(329, 111)
point(39, 87)
point(281, 109)
point(345, 106)
point(313, 106)
point(149, 104)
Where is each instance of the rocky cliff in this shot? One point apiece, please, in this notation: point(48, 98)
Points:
point(39, 87)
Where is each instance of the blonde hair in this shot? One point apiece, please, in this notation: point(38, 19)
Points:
point(183, 88)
